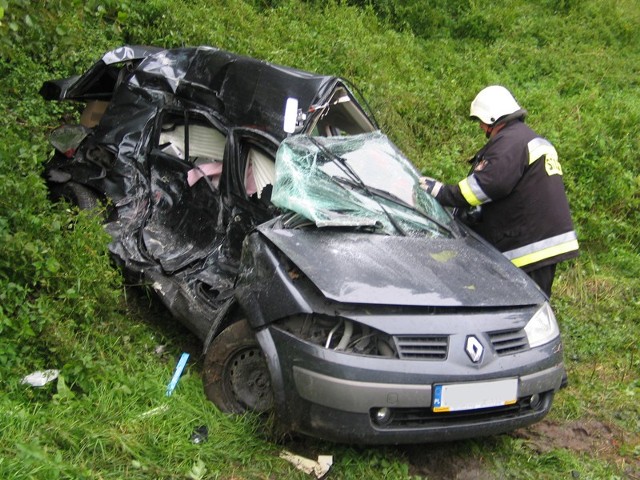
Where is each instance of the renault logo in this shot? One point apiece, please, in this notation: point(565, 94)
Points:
point(474, 349)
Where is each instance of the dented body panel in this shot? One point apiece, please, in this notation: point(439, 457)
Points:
point(183, 239)
point(404, 270)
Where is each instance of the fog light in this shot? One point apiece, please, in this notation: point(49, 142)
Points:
point(382, 416)
point(535, 401)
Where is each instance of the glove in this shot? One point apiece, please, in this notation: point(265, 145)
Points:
point(430, 185)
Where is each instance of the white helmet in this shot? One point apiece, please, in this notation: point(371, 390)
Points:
point(493, 103)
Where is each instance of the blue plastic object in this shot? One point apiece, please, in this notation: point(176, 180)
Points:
point(176, 375)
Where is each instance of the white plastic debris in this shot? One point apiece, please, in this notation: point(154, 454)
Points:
point(40, 378)
point(319, 467)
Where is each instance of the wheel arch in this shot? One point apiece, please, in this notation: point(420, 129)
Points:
point(264, 340)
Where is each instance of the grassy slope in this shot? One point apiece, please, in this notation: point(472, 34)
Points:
point(573, 65)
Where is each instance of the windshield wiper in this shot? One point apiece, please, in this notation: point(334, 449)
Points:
point(394, 199)
point(342, 164)
point(397, 200)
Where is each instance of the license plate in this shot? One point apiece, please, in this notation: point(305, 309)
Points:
point(472, 396)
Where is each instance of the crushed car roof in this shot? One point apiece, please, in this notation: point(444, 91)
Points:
point(244, 90)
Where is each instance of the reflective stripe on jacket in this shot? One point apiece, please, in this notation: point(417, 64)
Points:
point(547, 248)
point(517, 179)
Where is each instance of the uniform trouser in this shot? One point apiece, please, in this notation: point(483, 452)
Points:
point(544, 277)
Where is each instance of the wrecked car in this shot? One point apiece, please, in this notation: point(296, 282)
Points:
point(274, 220)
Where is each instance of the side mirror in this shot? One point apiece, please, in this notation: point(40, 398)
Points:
point(290, 115)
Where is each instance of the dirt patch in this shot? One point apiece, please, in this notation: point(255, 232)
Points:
point(446, 462)
point(456, 461)
point(591, 437)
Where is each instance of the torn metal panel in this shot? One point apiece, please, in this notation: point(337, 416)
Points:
point(183, 143)
point(99, 81)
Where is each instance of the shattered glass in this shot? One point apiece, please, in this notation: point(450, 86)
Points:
point(355, 181)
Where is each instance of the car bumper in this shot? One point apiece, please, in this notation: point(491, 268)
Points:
point(341, 397)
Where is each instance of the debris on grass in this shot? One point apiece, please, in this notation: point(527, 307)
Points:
point(200, 434)
point(40, 378)
point(319, 467)
point(154, 411)
point(176, 375)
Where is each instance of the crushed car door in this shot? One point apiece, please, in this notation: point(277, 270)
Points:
point(185, 167)
point(248, 177)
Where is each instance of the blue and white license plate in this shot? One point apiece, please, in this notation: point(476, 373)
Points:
point(472, 396)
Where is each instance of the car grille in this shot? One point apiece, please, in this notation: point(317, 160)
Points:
point(422, 347)
point(509, 341)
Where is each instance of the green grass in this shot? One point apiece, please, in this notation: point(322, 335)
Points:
point(575, 66)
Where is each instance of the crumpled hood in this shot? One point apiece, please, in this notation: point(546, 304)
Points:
point(408, 271)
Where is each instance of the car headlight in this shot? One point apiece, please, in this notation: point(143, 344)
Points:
point(543, 327)
point(339, 334)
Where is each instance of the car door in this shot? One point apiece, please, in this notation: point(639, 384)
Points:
point(185, 167)
point(249, 173)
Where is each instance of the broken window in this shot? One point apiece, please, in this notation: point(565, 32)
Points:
point(190, 137)
point(340, 116)
point(361, 181)
point(260, 172)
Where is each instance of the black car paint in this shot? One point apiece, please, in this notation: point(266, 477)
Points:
point(404, 270)
point(184, 241)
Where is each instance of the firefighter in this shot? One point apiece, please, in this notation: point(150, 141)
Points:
point(514, 195)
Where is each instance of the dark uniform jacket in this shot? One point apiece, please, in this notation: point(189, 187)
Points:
point(517, 179)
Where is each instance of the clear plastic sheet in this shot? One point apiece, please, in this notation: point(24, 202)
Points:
point(355, 181)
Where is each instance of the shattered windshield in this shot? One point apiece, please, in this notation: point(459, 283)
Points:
point(355, 181)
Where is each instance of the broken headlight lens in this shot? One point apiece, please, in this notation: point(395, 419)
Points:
point(340, 334)
point(543, 327)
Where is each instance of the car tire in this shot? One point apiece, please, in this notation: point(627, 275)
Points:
point(79, 195)
point(235, 375)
